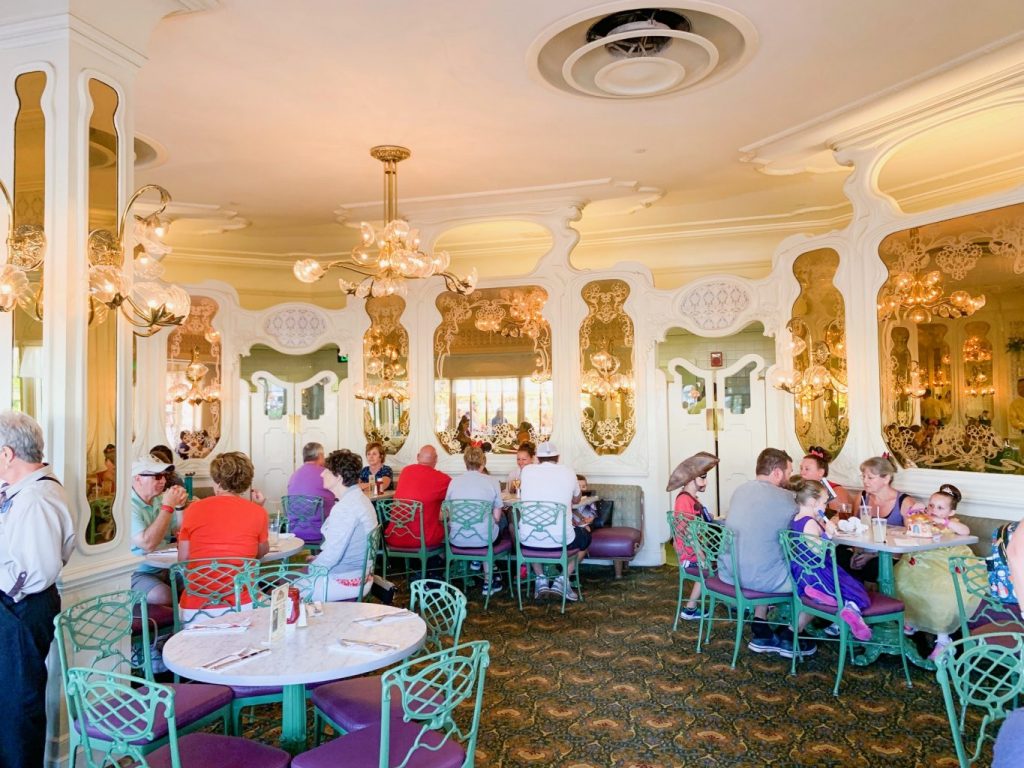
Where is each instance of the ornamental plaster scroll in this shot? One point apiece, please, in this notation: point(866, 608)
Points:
point(296, 328)
point(715, 305)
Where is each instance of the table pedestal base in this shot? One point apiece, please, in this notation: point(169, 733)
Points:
point(293, 719)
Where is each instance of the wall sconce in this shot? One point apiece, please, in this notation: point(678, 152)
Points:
point(146, 301)
point(26, 246)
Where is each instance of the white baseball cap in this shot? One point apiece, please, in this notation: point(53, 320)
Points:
point(547, 450)
point(149, 467)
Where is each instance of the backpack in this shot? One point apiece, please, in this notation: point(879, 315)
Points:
point(998, 570)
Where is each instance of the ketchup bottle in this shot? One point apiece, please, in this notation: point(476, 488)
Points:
point(293, 609)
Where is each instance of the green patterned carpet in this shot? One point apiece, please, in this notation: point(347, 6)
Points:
point(608, 684)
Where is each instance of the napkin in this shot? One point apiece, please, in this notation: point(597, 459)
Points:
point(364, 646)
point(387, 618)
point(233, 659)
point(226, 628)
point(852, 526)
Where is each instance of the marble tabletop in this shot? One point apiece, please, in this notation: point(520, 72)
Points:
point(288, 544)
point(906, 543)
point(308, 654)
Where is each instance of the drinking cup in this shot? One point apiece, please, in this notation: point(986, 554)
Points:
point(845, 511)
point(878, 529)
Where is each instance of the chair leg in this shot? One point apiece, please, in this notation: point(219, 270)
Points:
point(844, 639)
point(903, 651)
point(796, 639)
point(679, 599)
point(617, 565)
point(738, 638)
point(519, 584)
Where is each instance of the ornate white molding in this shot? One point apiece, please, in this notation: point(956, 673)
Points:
point(296, 328)
point(715, 305)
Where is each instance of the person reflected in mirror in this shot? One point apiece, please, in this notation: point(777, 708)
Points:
point(498, 419)
point(1015, 411)
point(525, 433)
point(463, 433)
point(153, 525)
point(814, 466)
point(376, 474)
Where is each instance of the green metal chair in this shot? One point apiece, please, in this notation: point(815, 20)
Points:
point(983, 673)
point(472, 522)
point(813, 554)
point(678, 525)
point(981, 612)
point(350, 705)
point(537, 522)
point(374, 542)
point(434, 696)
point(405, 516)
point(710, 543)
point(210, 582)
point(99, 631)
point(305, 517)
point(121, 717)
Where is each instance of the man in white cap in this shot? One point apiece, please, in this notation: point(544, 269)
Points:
point(152, 524)
point(547, 480)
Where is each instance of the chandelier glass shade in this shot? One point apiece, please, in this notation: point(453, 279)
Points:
point(194, 393)
point(920, 297)
point(145, 300)
point(390, 256)
point(26, 247)
point(815, 379)
point(603, 379)
point(383, 363)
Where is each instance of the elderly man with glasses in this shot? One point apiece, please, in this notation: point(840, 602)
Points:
point(152, 524)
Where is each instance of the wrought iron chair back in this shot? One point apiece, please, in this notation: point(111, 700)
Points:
point(540, 524)
point(471, 523)
point(404, 517)
point(210, 582)
point(678, 524)
point(374, 541)
point(977, 604)
point(260, 580)
point(442, 607)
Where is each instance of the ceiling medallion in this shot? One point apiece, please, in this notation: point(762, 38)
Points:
point(621, 51)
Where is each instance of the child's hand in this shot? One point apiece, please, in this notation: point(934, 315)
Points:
point(830, 528)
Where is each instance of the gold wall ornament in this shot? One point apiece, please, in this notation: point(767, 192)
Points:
point(492, 368)
point(388, 257)
point(385, 374)
point(147, 302)
point(813, 368)
point(607, 383)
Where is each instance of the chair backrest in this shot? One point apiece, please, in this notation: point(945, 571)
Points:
point(814, 559)
point(469, 521)
point(100, 628)
point(975, 601)
point(115, 715)
point(209, 583)
point(982, 673)
point(442, 607)
point(431, 688)
point(259, 581)
point(401, 514)
point(305, 516)
point(373, 545)
point(708, 541)
point(540, 523)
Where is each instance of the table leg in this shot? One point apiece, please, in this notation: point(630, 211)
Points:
point(293, 719)
point(885, 637)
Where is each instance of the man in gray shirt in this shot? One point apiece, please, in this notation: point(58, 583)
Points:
point(758, 511)
point(474, 485)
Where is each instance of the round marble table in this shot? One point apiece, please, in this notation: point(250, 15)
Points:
point(288, 545)
point(304, 655)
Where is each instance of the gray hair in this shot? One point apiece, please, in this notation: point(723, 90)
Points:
point(23, 435)
point(312, 451)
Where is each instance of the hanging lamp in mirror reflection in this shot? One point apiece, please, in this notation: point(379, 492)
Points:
point(145, 300)
point(26, 247)
point(388, 257)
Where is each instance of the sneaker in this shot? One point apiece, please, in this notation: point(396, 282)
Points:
point(832, 630)
point(543, 586)
point(493, 588)
point(806, 647)
point(766, 644)
point(691, 614)
point(851, 615)
point(909, 629)
point(475, 565)
point(937, 650)
point(559, 586)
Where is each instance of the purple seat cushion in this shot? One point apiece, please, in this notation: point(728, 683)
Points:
point(552, 554)
point(501, 546)
point(361, 749)
point(615, 542)
point(355, 704)
point(199, 749)
point(192, 702)
point(715, 584)
point(161, 615)
point(693, 570)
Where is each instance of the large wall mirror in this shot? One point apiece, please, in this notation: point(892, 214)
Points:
point(193, 407)
point(951, 340)
point(492, 369)
point(607, 385)
point(28, 225)
point(818, 335)
point(385, 389)
point(101, 354)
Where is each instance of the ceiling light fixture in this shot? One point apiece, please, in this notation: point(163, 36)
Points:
point(194, 393)
point(391, 256)
point(146, 301)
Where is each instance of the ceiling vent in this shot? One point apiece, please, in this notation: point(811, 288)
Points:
point(629, 53)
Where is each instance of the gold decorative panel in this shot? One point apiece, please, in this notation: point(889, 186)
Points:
point(492, 368)
point(818, 338)
point(385, 375)
point(607, 386)
point(193, 382)
point(951, 337)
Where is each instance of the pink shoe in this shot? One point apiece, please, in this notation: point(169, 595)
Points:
point(852, 617)
point(937, 651)
point(820, 597)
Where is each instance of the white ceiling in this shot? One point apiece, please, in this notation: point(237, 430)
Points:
point(268, 109)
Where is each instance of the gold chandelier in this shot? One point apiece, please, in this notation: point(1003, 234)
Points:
point(26, 246)
point(146, 301)
point(384, 362)
point(194, 393)
point(603, 379)
point(389, 257)
point(921, 297)
point(815, 379)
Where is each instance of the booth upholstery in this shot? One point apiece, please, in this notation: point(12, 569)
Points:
point(620, 541)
